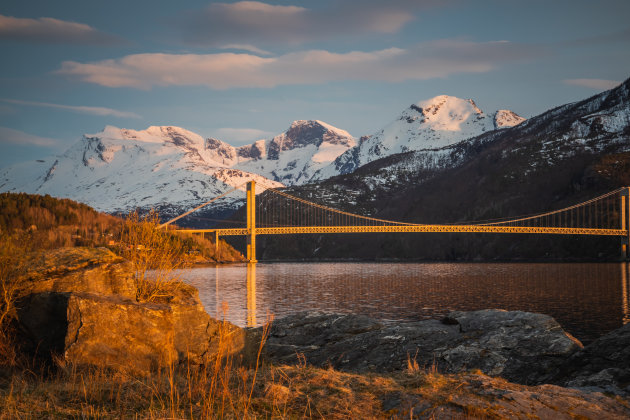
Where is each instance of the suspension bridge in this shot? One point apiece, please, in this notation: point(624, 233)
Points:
point(277, 213)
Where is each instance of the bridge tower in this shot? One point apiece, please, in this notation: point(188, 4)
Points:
point(625, 223)
point(251, 221)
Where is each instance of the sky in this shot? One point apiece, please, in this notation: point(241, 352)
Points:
point(244, 70)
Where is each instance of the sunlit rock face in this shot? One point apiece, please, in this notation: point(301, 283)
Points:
point(79, 305)
point(427, 125)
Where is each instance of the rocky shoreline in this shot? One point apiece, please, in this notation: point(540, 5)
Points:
point(521, 347)
point(79, 308)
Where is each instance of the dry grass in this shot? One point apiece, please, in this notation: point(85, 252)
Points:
point(153, 253)
point(12, 264)
point(227, 386)
point(231, 389)
point(222, 387)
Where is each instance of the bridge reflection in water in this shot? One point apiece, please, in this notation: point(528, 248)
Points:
point(625, 290)
point(251, 295)
point(587, 299)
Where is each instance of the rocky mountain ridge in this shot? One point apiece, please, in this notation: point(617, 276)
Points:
point(429, 126)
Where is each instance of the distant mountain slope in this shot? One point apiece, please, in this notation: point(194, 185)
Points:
point(119, 170)
point(563, 156)
point(172, 168)
point(428, 125)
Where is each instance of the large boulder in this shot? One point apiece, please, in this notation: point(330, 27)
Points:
point(50, 280)
point(80, 305)
point(519, 346)
point(603, 365)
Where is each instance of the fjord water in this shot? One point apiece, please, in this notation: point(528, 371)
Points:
point(588, 300)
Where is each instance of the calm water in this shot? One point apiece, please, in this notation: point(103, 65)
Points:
point(588, 300)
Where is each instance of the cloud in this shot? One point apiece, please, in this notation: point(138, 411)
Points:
point(245, 47)
point(428, 60)
point(622, 36)
point(91, 110)
point(599, 84)
point(9, 135)
point(52, 31)
point(240, 135)
point(247, 22)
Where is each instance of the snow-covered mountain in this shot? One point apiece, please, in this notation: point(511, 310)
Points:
point(292, 157)
point(428, 125)
point(119, 170)
point(170, 167)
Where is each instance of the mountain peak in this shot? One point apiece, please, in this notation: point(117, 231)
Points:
point(504, 118)
point(152, 134)
point(316, 125)
point(302, 133)
point(444, 107)
point(432, 124)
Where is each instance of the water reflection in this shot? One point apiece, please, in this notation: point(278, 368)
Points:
point(625, 277)
point(587, 299)
point(251, 295)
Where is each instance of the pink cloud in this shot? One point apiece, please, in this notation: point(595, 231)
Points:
point(9, 135)
point(254, 22)
point(49, 31)
point(227, 70)
point(91, 110)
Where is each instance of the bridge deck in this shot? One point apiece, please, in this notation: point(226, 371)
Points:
point(410, 228)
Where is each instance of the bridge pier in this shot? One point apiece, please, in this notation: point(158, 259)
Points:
point(625, 223)
point(251, 221)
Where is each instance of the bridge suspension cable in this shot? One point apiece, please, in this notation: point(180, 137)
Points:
point(541, 216)
point(310, 212)
point(201, 205)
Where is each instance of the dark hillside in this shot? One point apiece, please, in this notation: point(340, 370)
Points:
point(50, 222)
point(44, 222)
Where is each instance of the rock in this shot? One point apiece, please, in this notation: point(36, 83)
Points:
point(85, 270)
point(143, 337)
point(80, 303)
point(603, 365)
point(118, 333)
point(42, 323)
point(196, 333)
point(519, 346)
point(48, 283)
